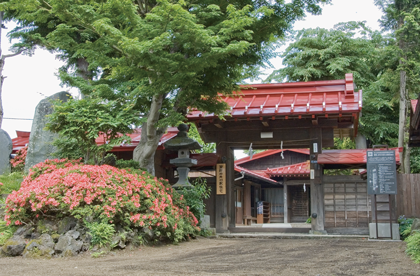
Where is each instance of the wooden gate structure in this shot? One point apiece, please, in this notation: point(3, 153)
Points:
point(285, 115)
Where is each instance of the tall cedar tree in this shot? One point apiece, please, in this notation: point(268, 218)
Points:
point(402, 18)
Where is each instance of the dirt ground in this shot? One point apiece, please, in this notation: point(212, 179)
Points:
point(233, 257)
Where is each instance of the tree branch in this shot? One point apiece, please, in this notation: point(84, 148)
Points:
point(11, 55)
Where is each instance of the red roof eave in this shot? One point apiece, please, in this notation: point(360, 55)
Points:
point(259, 174)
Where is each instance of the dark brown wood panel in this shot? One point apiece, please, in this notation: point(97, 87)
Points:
point(299, 204)
point(346, 202)
point(408, 195)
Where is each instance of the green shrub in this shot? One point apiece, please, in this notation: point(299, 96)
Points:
point(128, 164)
point(413, 246)
point(6, 232)
point(101, 233)
point(405, 226)
point(131, 199)
point(195, 196)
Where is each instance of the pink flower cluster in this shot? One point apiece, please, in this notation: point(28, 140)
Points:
point(18, 163)
point(63, 187)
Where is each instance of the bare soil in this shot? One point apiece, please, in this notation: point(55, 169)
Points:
point(232, 257)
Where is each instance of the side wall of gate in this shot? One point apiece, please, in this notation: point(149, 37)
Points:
point(347, 204)
point(408, 195)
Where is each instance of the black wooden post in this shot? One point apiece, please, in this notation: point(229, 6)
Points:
point(225, 204)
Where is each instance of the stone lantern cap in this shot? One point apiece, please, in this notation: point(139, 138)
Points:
point(181, 141)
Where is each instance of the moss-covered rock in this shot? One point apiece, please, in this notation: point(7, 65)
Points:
point(14, 247)
point(40, 248)
point(66, 224)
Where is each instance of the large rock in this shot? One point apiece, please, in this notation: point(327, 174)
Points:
point(6, 147)
point(41, 247)
point(66, 224)
point(14, 247)
point(40, 142)
point(67, 246)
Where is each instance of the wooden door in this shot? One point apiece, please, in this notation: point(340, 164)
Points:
point(299, 202)
point(346, 202)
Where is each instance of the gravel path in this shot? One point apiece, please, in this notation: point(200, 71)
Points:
point(233, 257)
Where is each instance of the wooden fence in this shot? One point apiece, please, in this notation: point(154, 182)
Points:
point(408, 195)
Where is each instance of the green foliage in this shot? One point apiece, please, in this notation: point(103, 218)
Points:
point(11, 182)
point(68, 148)
point(405, 226)
point(127, 164)
point(309, 220)
point(415, 160)
point(186, 51)
point(80, 122)
point(345, 143)
point(101, 233)
point(195, 195)
point(321, 54)
point(413, 246)
point(6, 232)
point(206, 147)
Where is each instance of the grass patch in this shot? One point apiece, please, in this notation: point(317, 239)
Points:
point(11, 182)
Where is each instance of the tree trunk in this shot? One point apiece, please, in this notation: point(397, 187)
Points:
point(82, 71)
point(144, 153)
point(1, 72)
point(402, 115)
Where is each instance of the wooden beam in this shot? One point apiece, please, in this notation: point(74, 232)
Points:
point(285, 205)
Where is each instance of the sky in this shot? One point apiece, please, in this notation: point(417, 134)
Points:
point(31, 79)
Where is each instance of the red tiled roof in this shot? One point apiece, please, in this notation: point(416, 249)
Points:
point(135, 139)
point(268, 153)
point(299, 169)
point(350, 156)
point(23, 139)
point(298, 98)
point(256, 173)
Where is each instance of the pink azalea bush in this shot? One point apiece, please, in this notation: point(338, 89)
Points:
point(18, 163)
point(59, 188)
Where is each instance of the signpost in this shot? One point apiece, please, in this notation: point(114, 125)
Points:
point(381, 172)
point(382, 177)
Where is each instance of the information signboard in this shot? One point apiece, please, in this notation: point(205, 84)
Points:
point(381, 172)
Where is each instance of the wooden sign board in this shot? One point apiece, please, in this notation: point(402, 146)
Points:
point(221, 179)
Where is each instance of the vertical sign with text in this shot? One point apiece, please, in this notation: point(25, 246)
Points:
point(381, 172)
point(221, 179)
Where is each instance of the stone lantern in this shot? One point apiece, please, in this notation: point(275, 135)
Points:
point(183, 145)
